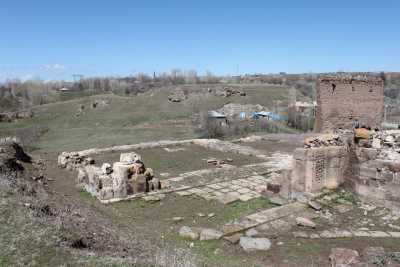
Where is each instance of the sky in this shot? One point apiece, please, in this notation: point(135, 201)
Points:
point(50, 39)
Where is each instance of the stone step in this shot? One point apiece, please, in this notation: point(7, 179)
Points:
point(262, 217)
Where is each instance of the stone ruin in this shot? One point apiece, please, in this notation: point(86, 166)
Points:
point(124, 178)
point(344, 100)
point(370, 167)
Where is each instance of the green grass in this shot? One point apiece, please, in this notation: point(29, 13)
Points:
point(126, 120)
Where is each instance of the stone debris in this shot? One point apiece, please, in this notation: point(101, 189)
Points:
point(315, 205)
point(250, 244)
point(369, 256)
point(343, 257)
point(251, 232)
point(372, 255)
point(299, 234)
point(323, 140)
point(188, 233)
point(337, 233)
point(343, 208)
point(177, 219)
point(279, 201)
point(171, 150)
point(218, 162)
point(130, 158)
point(234, 239)
point(305, 222)
point(15, 116)
point(210, 234)
point(230, 91)
point(177, 96)
point(154, 198)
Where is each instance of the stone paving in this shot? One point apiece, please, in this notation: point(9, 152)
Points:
point(337, 233)
point(228, 173)
point(226, 184)
point(229, 191)
point(263, 217)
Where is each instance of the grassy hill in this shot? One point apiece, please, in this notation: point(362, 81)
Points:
point(124, 120)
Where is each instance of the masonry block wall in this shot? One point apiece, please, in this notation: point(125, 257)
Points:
point(316, 168)
point(375, 179)
point(343, 99)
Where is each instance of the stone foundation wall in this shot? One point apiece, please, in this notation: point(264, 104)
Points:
point(372, 175)
point(316, 168)
point(375, 178)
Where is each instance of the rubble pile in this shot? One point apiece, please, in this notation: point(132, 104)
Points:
point(14, 116)
point(11, 156)
point(177, 96)
point(386, 139)
point(219, 162)
point(324, 140)
point(126, 177)
point(228, 92)
point(74, 160)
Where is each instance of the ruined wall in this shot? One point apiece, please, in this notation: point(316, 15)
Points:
point(342, 100)
point(316, 168)
point(376, 177)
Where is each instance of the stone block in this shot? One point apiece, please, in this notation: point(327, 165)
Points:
point(367, 172)
point(139, 184)
point(130, 158)
point(106, 193)
point(300, 154)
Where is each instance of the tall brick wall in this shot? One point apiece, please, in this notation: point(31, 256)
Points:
point(342, 100)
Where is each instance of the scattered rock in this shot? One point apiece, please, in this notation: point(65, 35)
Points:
point(177, 219)
point(343, 208)
point(154, 198)
point(305, 222)
point(374, 255)
point(394, 226)
point(234, 239)
point(188, 233)
point(376, 143)
point(250, 244)
point(130, 158)
point(314, 236)
point(278, 201)
point(251, 232)
point(210, 234)
point(327, 234)
point(343, 257)
point(315, 205)
point(300, 234)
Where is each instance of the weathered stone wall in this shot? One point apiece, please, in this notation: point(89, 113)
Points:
point(316, 168)
point(373, 174)
point(376, 178)
point(342, 100)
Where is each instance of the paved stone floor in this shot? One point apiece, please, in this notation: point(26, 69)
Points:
point(229, 191)
point(339, 233)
